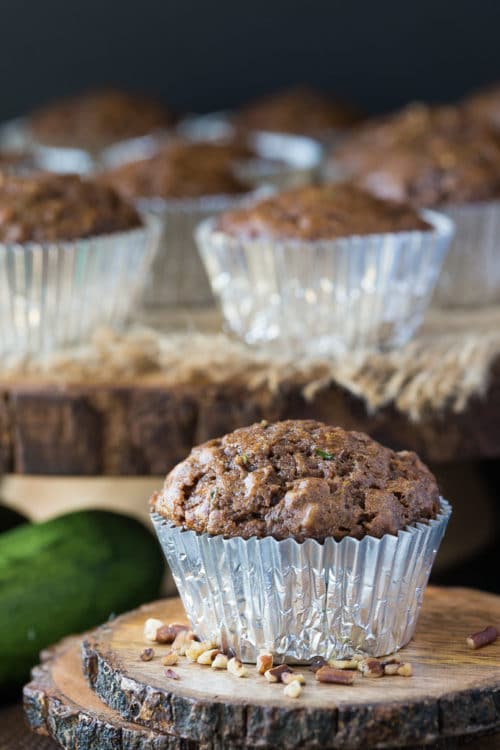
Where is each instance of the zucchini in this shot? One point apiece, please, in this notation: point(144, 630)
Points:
point(67, 575)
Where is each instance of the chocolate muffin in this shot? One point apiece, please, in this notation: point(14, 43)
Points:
point(182, 170)
point(46, 207)
point(298, 110)
point(299, 479)
point(409, 127)
point(96, 119)
point(320, 213)
point(483, 107)
point(439, 172)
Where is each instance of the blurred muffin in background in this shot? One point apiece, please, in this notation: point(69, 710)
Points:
point(96, 119)
point(408, 127)
point(182, 183)
point(46, 207)
point(483, 106)
point(300, 110)
point(182, 170)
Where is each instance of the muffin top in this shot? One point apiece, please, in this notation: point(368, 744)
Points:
point(182, 170)
point(96, 119)
point(300, 479)
point(46, 207)
point(408, 127)
point(440, 172)
point(297, 110)
point(483, 107)
point(319, 213)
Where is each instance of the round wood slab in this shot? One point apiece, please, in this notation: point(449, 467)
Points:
point(455, 692)
point(58, 703)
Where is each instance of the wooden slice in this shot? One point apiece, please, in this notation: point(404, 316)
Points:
point(455, 692)
point(146, 426)
point(58, 703)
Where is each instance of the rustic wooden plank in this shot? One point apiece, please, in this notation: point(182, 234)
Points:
point(454, 692)
point(145, 427)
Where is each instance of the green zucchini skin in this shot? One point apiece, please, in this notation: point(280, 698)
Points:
point(67, 575)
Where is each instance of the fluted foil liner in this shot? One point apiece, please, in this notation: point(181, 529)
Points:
point(299, 600)
point(56, 293)
point(326, 297)
point(471, 271)
point(177, 275)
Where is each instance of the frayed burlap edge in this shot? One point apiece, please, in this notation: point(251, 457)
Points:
point(448, 362)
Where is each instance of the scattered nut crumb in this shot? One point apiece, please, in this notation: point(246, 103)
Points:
point(182, 641)
point(405, 670)
point(390, 669)
point(334, 676)
point(264, 662)
point(197, 648)
point(316, 663)
point(482, 638)
point(220, 661)
point(151, 627)
point(147, 654)
point(293, 689)
point(173, 675)
point(343, 663)
point(208, 656)
point(371, 668)
point(168, 633)
point(235, 666)
point(275, 674)
point(288, 677)
point(170, 658)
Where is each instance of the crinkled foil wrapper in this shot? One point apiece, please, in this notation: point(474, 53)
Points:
point(471, 271)
point(177, 274)
point(299, 600)
point(326, 297)
point(57, 293)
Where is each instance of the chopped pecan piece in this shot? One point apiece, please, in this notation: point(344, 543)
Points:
point(264, 662)
point(275, 674)
point(316, 663)
point(293, 689)
point(235, 666)
point(482, 638)
point(171, 674)
point(220, 661)
point(147, 654)
point(335, 676)
point(208, 656)
point(151, 627)
point(168, 633)
point(288, 677)
point(170, 658)
point(405, 670)
point(371, 668)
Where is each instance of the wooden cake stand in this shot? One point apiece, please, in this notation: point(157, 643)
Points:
point(454, 693)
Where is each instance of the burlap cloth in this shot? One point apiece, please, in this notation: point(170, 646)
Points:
point(449, 361)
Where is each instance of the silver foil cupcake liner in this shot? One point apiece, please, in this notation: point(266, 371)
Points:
point(326, 297)
point(471, 271)
point(57, 293)
point(177, 275)
point(299, 600)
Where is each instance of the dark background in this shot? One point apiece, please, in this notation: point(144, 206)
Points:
point(208, 54)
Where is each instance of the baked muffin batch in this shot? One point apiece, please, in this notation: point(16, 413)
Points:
point(234, 216)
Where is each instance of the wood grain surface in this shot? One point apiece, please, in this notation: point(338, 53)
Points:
point(454, 693)
point(146, 426)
